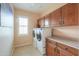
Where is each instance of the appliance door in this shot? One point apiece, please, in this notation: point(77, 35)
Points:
point(40, 41)
point(40, 47)
point(34, 38)
point(38, 34)
point(33, 33)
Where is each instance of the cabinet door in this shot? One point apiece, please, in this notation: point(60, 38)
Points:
point(70, 14)
point(40, 22)
point(6, 15)
point(63, 52)
point(57, 52)
point(50, 49)
point(56, 18)
point(78, 14)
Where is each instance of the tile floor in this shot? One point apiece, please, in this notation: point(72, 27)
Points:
point(26, 51)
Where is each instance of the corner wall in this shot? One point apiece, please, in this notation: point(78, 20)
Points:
point(21, 40)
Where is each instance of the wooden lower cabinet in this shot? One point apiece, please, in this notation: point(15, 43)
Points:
point(63, 52)
point(50, 49)
point(57, 49)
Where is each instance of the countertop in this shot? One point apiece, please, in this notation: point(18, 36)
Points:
point(69, 42)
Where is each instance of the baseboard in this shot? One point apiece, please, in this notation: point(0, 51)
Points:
point(12, 51)
point(24, 44)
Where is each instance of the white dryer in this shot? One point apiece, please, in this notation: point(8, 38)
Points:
point(42, 33)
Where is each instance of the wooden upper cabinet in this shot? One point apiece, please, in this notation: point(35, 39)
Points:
point(78, 14)
point(44, 22)
point(40, 22)
point(56, 18)
point(64, 16)
point(70, 14)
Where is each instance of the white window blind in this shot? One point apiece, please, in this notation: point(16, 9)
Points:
point(23, 25)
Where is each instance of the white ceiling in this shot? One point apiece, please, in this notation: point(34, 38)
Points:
point(37, 7)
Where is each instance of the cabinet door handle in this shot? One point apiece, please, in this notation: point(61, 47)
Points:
point(58, 51)
point(66, 48)
point(60, 22)
point(63, 22)
point(55, 49)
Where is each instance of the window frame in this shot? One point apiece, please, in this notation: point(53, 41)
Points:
point(25, 26)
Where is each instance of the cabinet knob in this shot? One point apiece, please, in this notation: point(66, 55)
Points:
point(66, 48)
point(60, 23)
point(63, 22)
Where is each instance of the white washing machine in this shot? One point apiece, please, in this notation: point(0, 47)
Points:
point(42, 33)
point(34, 38)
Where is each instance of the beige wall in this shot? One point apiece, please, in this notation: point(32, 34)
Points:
point(27, 39)
point(21, 40)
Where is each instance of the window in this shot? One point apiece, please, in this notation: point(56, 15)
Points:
point(46, 23)
point(23, 25)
